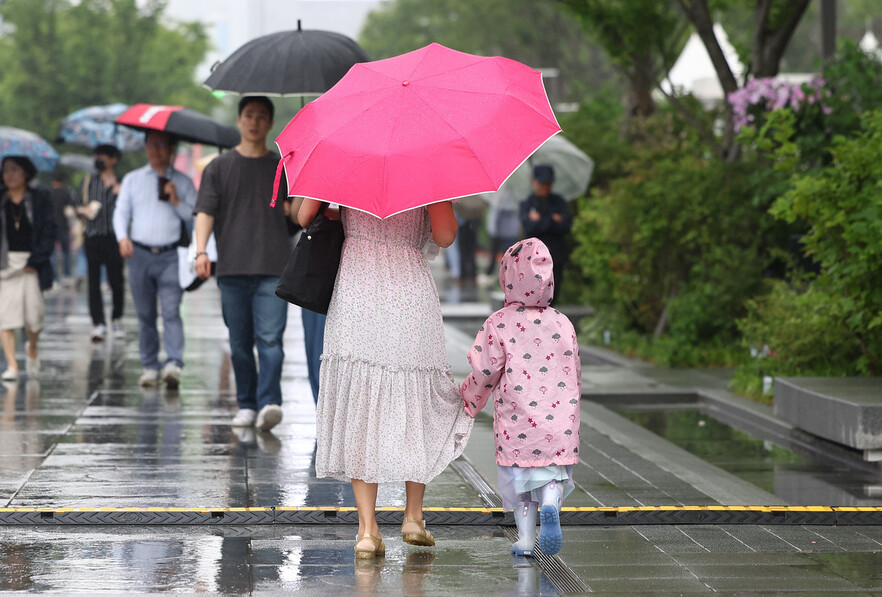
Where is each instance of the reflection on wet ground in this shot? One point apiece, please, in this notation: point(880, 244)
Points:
point(83, 434)
point(805, 478)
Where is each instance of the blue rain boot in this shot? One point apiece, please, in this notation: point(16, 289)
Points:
point(525, 517)
point(550, 536)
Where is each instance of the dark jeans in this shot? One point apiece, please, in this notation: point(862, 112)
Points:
point(104, 250)
point(255, 315)
point(468, 246)
point(314, 342)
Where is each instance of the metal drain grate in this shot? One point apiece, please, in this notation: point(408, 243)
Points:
point(564, 579)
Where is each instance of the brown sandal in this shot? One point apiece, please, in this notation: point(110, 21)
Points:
point(378, 550)
point(414, 532)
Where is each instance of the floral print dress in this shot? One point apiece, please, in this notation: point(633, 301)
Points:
point(388, 407)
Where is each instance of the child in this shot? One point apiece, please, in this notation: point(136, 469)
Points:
point(527, 353)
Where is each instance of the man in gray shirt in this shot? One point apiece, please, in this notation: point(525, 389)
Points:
point(252, 248)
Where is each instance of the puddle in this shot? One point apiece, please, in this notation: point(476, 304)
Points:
point(800, 479)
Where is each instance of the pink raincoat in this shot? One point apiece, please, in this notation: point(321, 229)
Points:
point(526, 355)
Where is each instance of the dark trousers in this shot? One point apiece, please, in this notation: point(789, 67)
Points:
point(104, 250)
point(557, 271)
point(468, 246)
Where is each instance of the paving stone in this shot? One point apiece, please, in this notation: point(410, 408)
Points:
point(670, 539)
point(715, 539)
point(803, 538)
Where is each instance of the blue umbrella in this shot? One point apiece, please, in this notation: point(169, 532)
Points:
point(21, 143)
point(96, 125)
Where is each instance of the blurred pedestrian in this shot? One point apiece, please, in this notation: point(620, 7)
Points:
point(98, 205)
point(537, 422)
point(64, 202)
point(27, 225)
point(157, 202)
point(469, 216)
point(503, 226)
point(545, 215)
point(388, 410)
point(252, 248)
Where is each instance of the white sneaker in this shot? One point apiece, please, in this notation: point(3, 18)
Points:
point(32, 365)
point(98, 332)
point(118, 330)
point(268, 417)
point(171, 375)
point(149, 378)
point(244, 418)
point(245, 435)
point(10, 375)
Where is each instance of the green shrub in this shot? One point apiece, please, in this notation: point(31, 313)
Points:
point(674, 247)
point(794, 330)
point(842, 206)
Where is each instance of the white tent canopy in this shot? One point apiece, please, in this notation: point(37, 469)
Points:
point(870, 45)
point(695, 73)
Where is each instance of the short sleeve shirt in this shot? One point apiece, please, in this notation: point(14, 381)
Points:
point(252, 237)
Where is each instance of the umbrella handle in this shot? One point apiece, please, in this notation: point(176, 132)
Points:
point(278, 178)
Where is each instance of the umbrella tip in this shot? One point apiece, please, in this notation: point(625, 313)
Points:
point(298, 25)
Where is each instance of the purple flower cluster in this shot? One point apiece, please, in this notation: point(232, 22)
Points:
point(770, 93)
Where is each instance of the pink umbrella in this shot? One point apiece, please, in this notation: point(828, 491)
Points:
point(427, 126)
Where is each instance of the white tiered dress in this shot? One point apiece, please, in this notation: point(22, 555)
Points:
point(388, 407)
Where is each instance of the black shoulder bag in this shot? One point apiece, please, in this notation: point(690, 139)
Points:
point(309, 275)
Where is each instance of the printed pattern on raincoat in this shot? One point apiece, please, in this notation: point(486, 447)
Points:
point(526, 356)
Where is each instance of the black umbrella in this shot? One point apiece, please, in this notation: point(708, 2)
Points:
point(287, 63)
point(180, 122)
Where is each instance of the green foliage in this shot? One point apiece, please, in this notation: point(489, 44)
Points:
point(630, 31)
point(538, 33)
point(675, 246)
point(58, 57)
point(829, 322)
point(799, 140)
point(595, 129)
point(794, 330)
point(842, 205)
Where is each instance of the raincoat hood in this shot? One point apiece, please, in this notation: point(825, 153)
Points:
point(526, 274)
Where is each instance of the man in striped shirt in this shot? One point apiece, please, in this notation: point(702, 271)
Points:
point(99, 200)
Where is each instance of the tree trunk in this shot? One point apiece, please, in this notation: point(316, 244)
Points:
point(769, 43)
point(828, 29)
point(642, 77)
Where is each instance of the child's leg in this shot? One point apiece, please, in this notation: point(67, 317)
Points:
point(525, 516)
point(550, 536)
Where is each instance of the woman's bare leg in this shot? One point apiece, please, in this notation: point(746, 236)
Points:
point(7, 339)
point(415, 492)
point(366, 502)
point(33, 337)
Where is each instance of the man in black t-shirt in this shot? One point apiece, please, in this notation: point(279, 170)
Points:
point(252, 248)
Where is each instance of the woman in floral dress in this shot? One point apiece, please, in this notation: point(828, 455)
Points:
point(388, 407)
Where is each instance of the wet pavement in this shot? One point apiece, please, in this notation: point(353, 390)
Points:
point(82, 434)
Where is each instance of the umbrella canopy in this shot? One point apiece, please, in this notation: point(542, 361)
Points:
point(180, 122)
point(572, 173)
point(78, 161)
point(427, 126)
point(287, 63)
point(96, 125)
point(18, 142)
